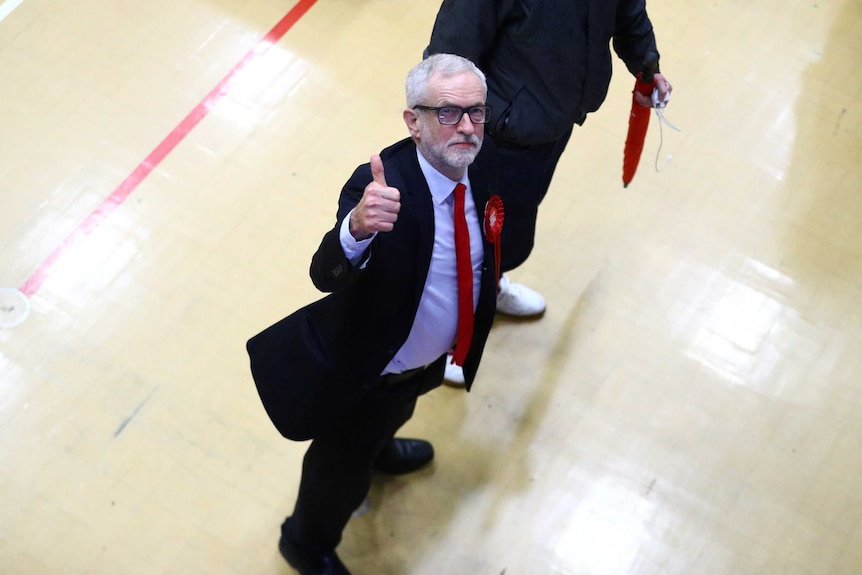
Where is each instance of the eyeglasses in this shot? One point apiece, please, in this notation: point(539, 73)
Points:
point(451, 115)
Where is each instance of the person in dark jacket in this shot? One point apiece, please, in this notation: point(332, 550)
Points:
point(346, 370)
point(548, 65)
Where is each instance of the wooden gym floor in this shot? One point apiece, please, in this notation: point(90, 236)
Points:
point(690, 404)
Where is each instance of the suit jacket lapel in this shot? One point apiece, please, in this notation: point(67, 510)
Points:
point(417, 192)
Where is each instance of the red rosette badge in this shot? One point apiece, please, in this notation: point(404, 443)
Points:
point(494, 215)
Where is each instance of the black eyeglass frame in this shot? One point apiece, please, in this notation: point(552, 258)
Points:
point(439, 109)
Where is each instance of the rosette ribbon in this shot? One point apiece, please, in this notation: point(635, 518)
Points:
point(494, 215)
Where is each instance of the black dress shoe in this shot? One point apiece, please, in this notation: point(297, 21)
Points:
point(403, 456)
point(328, 564)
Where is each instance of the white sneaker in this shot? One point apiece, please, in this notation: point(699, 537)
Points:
point(454, 375)
point(362, 509)
point(518, 299)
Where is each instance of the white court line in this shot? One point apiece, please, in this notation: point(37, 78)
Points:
point(7, 6)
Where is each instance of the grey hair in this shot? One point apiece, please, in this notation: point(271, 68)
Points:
point(446, 65)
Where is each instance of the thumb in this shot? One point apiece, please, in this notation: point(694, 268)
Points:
point(377, 170)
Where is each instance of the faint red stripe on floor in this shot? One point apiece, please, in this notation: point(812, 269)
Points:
point(198, 113)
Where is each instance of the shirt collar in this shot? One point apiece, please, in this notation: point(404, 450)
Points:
point(441, 186)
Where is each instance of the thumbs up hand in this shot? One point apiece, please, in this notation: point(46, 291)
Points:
point(378, 209)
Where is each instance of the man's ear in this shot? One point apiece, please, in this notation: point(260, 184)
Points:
point(411, 118)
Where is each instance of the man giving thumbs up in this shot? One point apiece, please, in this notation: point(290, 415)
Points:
point(346, 370)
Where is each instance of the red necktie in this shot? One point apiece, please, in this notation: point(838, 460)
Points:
point(465, 280)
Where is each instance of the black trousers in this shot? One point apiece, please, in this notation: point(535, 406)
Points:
point(338, 466)
point(524, 178)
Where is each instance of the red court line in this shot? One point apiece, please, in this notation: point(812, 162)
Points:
point(151, 162)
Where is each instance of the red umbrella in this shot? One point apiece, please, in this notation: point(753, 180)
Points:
point(638, 120)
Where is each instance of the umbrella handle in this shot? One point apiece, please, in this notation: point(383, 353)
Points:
point(646, 77)
point(649, 67)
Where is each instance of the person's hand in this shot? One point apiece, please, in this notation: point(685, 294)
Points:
point(664, 89)
point(378, 209)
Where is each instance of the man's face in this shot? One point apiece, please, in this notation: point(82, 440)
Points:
point(450, 149)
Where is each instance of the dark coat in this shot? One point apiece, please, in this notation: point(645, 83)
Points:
point(312, 366)
point(547, 62)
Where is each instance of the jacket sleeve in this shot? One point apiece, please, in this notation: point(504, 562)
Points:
point(330, 269)
point(468, 28)
point(634, 38)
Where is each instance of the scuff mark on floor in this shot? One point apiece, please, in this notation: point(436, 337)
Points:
point(126, 421)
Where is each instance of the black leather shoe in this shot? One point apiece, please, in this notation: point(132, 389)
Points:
point(404, 456)
point(329, 564)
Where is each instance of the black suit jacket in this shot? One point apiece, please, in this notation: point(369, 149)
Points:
point(548, 63)
point(310, 367)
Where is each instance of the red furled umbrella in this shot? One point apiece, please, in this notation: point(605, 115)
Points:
point(639, 119)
